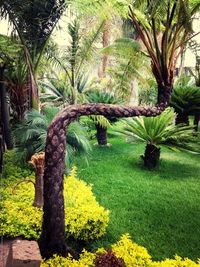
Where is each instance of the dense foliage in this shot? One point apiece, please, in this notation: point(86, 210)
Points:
point(85, 218)
point(131, 253)
point(30, 134)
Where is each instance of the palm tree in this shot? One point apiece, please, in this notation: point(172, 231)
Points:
point(164, 37)
point(74, 61)
point(195, 48)
point(159, 131)
point(102, 123)
point(52, 240)
point(186, 101)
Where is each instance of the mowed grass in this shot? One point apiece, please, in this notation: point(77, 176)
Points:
point(160, 209)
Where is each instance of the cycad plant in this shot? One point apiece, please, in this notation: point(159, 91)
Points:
point(30, 135)
point(102, 123)
point(186, 101)
point(159, 131)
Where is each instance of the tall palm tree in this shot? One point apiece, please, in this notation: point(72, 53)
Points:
point(164, 28)
point(174, 34)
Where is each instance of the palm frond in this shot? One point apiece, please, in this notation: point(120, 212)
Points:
point(30, 134)
point(160, 131)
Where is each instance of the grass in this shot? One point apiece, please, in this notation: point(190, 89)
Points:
point(160, 209)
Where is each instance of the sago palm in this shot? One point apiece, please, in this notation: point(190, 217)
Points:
point(102, 123)
point(159, 131)
point(30, 135)
point(186, 101)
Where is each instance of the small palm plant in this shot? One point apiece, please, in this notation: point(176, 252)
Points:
point(159, 131)
point(186, 101)
point(30, 135)
point(102, 123)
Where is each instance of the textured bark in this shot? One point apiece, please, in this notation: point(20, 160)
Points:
point(101, 135)
point(151, 156)
point(52, 239)
point(5, 116)
point(182, 118)
point(164, 94)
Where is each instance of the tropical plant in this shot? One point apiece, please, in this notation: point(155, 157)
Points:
point(102, 123)
point(173, 28)
point(194, 46)
point(73, 62)
point(34, 22)
point(164, 28)
point(148, 92)
point(128, 63)
point(30, 135)
point(159, 131)
point(186, 101)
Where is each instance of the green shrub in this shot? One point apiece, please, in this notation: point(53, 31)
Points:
point(85, 218)
point(132, 254)
point(12, 169)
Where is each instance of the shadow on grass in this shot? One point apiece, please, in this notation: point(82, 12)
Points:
point(167, 169)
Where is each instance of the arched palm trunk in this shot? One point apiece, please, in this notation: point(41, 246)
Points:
point(52, 239)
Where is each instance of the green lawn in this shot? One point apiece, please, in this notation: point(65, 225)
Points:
point(159, 209)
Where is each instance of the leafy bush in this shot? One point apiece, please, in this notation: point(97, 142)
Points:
point(30, 135)
point(85, 218)
point(12, 169)
point(131, 253)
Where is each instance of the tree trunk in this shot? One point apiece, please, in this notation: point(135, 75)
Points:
point(37, 160)
point(182, 118)
point(38, 200)
point(196, 122)
point(164, 94)
point(101, 135)
point(151, 156)
point(5, 116)
point(52, 240)
point(2, 146)
point(105, 43)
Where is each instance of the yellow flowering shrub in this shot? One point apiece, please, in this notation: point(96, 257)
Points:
point(85, 218)
point(86, 260)
point(132, 254)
